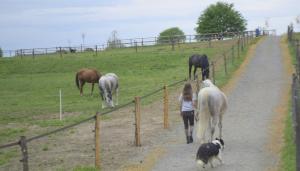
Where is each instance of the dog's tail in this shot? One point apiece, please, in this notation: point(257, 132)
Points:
point(200, 163)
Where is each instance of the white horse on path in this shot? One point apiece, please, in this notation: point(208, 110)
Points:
point(212, 104)
point(109, 86)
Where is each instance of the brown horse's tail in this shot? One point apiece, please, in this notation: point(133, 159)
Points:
point(76, 80)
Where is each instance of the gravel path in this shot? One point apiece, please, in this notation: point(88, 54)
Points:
point(246, 123)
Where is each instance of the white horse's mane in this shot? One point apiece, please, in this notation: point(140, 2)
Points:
point(207, 83)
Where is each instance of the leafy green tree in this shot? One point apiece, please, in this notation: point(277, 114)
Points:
point(220, 17)
point(171, 34)
point(1, 52)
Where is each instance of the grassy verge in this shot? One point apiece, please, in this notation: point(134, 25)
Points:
point(288, 153)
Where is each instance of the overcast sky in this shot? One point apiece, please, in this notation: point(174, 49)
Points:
point(50, 23)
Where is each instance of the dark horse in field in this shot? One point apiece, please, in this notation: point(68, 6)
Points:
point(199, 61)
point(86, 75)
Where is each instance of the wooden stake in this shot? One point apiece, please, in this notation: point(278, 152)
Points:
point(166, 108)
point(213, 71)
point(24, 151)
point(96, 50)
point(197, 85)
point(60, 105)
point(225, 63)
point(97, 142)
point(137, 121)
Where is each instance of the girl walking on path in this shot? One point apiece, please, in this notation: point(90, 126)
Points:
point(187, 106)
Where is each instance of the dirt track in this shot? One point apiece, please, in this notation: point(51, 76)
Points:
point(247, 124)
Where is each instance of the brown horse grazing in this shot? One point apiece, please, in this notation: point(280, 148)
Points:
point(86, 75)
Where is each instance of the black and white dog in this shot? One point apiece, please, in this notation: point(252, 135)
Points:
point(208, 151)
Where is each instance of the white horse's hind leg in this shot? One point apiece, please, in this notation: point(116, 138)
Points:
point(220, 126)
point(209, 128)
point(214, 123)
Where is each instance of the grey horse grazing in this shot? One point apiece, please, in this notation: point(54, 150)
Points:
point(109, 86)
point(212, 104)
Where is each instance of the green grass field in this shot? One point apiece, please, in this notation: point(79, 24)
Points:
point(30, 86)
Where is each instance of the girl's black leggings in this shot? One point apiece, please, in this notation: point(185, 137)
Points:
point(188, 117)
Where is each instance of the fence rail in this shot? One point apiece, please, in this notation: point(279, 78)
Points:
point(295, 44)
point(131, 43)
point(223, 62)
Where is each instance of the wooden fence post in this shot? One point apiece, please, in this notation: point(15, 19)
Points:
point(238, 51)
point(173, 43)
point(225, 63)
point(242, 43)
point(96, 50)
point(60, 52)
point(97, 141)
point(166, 107)
point(135, 45)
point(33, 53)
point(298, 55)
point(24, 151)
point(213, 71)
point(247, 42)
point(296, 117)
point(197, 86)
point(137, 121)
point(232, 50)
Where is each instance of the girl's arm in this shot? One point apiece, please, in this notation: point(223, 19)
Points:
point(180, 104)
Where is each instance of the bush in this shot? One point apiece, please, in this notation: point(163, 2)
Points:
point(171, 34)
point(89, 50)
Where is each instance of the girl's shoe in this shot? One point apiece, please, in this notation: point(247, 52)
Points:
point(191, 139)
point(187, 139)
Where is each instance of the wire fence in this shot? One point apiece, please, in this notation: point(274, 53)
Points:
point(28, 149)
point(136, 44)
point(295, 44)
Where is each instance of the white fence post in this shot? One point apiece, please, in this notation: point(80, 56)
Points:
point(60, 105)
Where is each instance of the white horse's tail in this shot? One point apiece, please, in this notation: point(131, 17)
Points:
point(204, 116)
